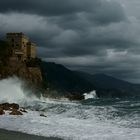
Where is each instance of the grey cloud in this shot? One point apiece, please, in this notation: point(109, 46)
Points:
point(98, 10)
point(48, 7)
point(110, 11)
point(90, 35)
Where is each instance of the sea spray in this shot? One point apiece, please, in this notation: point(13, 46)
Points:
point(91, 95)
point(12, 90)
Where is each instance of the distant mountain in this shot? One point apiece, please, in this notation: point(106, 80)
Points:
point(108, 86)
point(75, 83)
point(65, 81)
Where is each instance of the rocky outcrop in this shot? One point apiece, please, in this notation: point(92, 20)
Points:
point(7, 106)
point(20, 69)
point(13, 109)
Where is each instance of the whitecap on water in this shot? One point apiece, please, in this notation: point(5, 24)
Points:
point(91, 95)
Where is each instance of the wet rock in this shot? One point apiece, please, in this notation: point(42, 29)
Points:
point(5, 106)
point(43, 115)
point(15, 112)
point(14, 106)
point(2, 111)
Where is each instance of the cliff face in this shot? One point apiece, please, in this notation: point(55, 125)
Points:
point(18, 68)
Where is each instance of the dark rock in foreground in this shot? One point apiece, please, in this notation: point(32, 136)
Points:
point(14, 108)
point(43, 115)
point(7, 106)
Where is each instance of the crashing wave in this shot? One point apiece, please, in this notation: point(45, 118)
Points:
point(91, 95)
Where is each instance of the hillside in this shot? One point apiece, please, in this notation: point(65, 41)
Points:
point(108, 86)
point(65, 81)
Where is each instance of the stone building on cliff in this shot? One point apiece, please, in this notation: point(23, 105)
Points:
point(23, 48)
point(22, 60)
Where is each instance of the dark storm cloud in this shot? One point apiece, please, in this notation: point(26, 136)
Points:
point(101, 10)
point(91, 35)
point(48, 7)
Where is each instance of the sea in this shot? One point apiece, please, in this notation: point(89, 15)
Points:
point(90, 119)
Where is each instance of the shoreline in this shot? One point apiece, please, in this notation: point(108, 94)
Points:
point(14, 135)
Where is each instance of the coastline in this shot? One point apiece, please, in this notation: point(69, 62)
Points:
point(13, 135)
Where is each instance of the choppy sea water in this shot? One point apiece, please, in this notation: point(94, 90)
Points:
point(92, 119)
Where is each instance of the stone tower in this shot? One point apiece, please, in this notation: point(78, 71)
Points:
point(23, 49)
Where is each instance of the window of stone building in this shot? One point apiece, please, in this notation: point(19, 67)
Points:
point(12, 40)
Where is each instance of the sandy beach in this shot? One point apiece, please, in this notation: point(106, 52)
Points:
point(11, 135)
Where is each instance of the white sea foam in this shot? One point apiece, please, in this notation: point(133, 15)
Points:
point(67, 127)
point(65, 119)
point(91, 95)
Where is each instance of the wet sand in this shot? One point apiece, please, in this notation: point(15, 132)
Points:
point(11, 135)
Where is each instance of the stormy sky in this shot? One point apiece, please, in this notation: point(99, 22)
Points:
point(97, 36)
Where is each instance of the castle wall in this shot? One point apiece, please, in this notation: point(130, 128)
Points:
point(31, 50)
point(17, 40)
point(22, 47)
